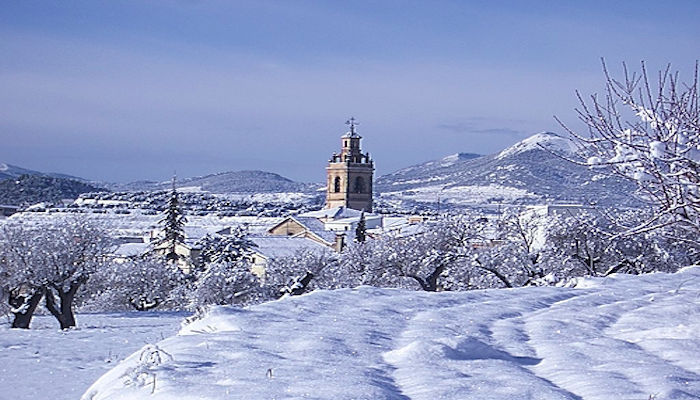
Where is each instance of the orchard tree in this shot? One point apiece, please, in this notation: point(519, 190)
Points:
point(142, 283)
point(224, 275)
point(302, 272)
point(592, 244)
point(18, 266)
point(54, 261)
point(647, 130)
point(226, 248)
point(73, 250)
point(226, 283)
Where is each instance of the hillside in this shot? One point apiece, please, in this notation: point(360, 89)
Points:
point(227, 182)
point(31, 189)
point(620, 337)
point(531, 171)
point(8, 171)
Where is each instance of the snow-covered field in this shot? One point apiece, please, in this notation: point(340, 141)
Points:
point(46, 363)
point(622, 337)
point(460, 195)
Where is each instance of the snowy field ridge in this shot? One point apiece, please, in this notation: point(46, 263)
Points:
point(621, 337)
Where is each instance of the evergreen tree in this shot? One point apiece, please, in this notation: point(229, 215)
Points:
point(361, 230)
point(173, 223)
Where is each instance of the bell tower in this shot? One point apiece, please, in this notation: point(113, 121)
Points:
point(349, 174)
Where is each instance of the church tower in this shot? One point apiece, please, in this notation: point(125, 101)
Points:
point(349, 174)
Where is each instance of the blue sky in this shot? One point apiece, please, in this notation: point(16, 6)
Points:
point(127, 90)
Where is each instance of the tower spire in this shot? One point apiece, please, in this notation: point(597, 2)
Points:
point(352, 122)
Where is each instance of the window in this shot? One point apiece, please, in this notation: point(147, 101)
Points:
point(336, 184)
point(359, 185)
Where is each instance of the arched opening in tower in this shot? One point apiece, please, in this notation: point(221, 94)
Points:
point(359, 185)
point(336, 184)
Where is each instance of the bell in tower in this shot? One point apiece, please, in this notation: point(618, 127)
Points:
point(349, 174)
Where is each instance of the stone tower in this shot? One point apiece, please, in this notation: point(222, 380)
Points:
point(349, 174)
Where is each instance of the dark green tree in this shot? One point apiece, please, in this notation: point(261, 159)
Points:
point(173, 223)
point(361, 230)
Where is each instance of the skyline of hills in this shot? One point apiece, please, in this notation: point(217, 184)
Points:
point(534, 170)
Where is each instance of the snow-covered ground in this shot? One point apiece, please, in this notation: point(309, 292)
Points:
point(622, 337)
point(46, 363)
point(460, 195)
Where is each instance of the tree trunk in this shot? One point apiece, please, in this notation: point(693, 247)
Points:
point(64, 314)
point(26, 306)
point(143, 304)
point(431, 280)
point(495, 272)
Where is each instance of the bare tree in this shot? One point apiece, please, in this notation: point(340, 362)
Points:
point(647, 130)
point(143, 284)
point(18, 262)
point(51, 261)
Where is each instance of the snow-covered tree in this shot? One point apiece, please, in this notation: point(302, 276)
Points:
point(302, 272)
point(411, 261)
point(648, 130)
point(54, 261)
point(173, 223)
point(226, 248)
point(18, 262)
point(142, 283)
point(591, 244)
point(361, 229)
point(226, 283)
point(224, 275)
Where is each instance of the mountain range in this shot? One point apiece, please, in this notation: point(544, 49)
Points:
point(8, 171)
point(536, 170)
point(226, 182)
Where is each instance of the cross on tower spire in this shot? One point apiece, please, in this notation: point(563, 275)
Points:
point(352, 122)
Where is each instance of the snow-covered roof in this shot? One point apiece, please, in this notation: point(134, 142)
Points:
point(400, 230)
point(317, 227)
point(198, 232)
point(334, 213)
point(132, 249)
point(354, 220)
point(284, 246)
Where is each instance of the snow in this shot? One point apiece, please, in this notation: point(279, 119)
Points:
point(284, 246)
point(132, 249)
point(621, 337)
point(333, 213)
point(46, 363)
point(276, 198)
point(547, 140)
point(461, 195)
point(415, 181)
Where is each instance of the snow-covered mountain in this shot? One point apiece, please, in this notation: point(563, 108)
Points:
point(9, 171)
point(228, 182)
point(31, 189)
point(535, 170)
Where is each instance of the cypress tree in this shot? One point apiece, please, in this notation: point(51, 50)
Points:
point(173, 223)
point(361, 230)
